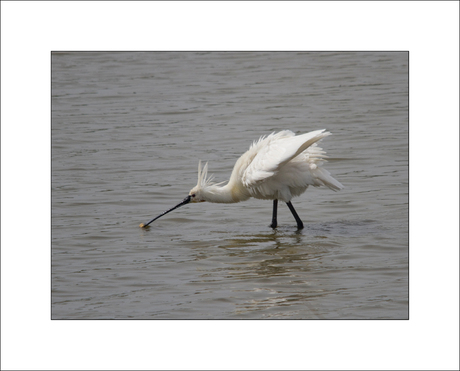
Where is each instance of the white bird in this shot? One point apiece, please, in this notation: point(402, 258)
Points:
point(276, 167)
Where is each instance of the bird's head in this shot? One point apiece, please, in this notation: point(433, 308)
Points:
point(198, 192)
point(196, 195)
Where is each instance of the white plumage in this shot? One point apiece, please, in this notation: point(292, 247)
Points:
point(276, 167)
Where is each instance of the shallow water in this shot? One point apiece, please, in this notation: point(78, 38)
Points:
point(128, 130)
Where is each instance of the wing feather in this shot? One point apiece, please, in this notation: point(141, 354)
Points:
point(274, 151)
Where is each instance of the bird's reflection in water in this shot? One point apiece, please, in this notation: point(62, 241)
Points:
point(270, 254)
point(273, 272)
point(279, 271)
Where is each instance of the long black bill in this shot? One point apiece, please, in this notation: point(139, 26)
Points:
point(185, 201)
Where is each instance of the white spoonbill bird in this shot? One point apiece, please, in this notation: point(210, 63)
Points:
point(276, 167)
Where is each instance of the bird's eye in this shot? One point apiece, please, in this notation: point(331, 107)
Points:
point(194, 195)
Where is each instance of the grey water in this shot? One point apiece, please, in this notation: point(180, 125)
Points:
point(128, 130)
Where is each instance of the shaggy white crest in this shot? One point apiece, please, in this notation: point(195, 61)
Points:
point(206, 189)
point(203, 180)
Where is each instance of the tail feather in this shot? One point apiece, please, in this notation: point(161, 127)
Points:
point(323, 177)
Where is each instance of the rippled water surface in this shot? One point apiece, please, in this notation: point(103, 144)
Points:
point(128, 130)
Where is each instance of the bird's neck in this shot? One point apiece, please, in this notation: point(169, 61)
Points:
point(214, 193)
point(229, 193)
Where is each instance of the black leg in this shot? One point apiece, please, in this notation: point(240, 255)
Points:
point(275, 210)
point(296, 217)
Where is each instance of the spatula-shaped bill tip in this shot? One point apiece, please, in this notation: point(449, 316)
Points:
point(186, 200)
